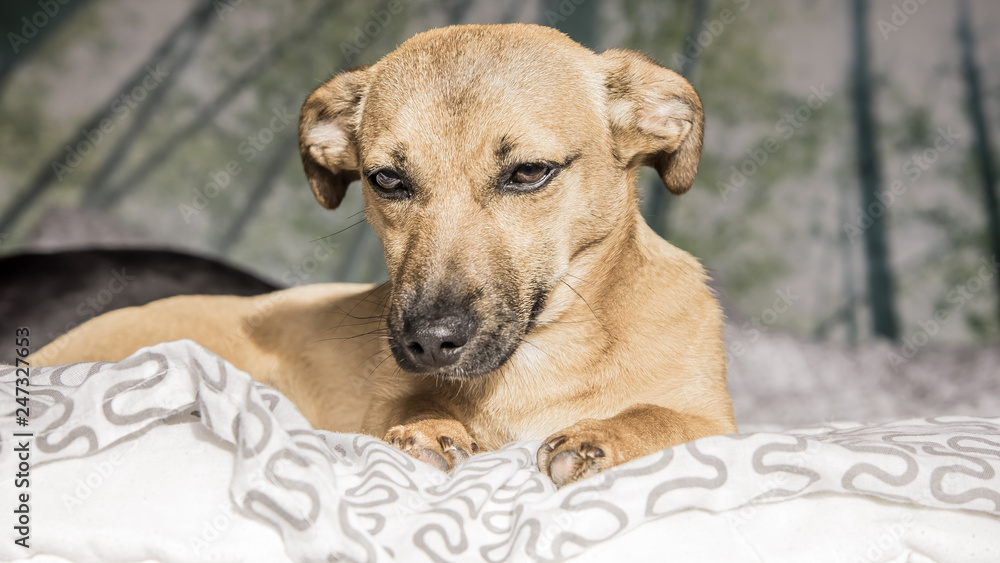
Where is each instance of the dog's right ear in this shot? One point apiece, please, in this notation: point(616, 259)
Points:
point(327, 142)
point(656, 117)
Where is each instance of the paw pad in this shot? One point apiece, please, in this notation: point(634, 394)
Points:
point(566, 463)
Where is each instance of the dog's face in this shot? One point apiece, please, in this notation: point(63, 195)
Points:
point(493, 159)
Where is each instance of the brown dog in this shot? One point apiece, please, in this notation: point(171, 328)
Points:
point(527, 297)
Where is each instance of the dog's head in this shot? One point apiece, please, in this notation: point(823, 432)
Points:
point(494, 160)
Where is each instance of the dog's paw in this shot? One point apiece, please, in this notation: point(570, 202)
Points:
point(578, 452)
point(441, 443)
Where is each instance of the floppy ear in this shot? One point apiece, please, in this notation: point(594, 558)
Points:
point(656, 117)
point(327, 143)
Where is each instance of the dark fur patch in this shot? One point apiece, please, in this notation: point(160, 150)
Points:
point(398, 156)
point(539, 297)
point(618, 83)
point(503, 150)
point(588, 245)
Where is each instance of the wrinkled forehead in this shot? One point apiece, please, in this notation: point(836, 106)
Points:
point(466, 91)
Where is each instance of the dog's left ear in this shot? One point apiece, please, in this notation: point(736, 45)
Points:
point(656, 117)
point(327, 140)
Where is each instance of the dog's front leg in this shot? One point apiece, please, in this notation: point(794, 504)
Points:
point(591, 445)
point(428, 432)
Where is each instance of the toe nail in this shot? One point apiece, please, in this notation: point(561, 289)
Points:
point(458, 455)
point(433, 458)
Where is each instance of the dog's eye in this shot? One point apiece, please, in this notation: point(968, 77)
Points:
point(387, 180)
point(530, 176)
point(389, 184)
point(529, 173)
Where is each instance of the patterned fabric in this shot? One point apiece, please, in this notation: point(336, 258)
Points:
point(354, 498)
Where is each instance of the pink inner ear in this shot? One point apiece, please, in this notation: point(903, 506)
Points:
point(328, 144)
point(669, 119)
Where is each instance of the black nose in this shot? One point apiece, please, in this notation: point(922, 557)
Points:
point(435, 343)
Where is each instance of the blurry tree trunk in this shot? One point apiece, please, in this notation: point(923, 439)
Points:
point(849, 314)
point(879, 274)
point(48, 173)
point(977, 114)
point(141, 116)
point(657, 204)
point(110, 197)
point(266, 180)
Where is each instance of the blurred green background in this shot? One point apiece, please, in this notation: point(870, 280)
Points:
point(172, 124)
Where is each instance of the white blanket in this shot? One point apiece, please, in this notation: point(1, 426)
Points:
point(175, 455)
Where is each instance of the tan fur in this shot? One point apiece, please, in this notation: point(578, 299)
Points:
point(626, 356)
